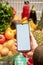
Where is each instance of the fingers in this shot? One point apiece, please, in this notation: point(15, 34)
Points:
point(15, 47)
point(15, 40)
point(15, 44)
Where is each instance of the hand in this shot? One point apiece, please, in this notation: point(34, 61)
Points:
point(15, 44)
point(33, 46)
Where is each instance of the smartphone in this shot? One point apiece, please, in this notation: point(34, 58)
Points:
point(23, 37)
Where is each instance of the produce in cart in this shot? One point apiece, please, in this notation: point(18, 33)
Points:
point(6, 15)
point(38, 36)
point(7, 35)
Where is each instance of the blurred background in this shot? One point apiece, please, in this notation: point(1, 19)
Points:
point(18, 4)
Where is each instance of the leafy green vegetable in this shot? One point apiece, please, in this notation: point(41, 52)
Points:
point(5, 16)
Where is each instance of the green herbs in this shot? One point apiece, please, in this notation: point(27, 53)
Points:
point(6, 14)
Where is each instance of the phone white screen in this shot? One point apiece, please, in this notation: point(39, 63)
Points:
point(23, 37)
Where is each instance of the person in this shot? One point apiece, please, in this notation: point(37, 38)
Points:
point(26, 10)
point(33, 15)
point(38, 56)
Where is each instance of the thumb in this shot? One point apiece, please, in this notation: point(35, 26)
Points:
point(33, 41)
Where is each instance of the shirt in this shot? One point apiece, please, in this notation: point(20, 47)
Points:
point(26, 11)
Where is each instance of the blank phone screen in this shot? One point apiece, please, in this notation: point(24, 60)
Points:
point(23, 37)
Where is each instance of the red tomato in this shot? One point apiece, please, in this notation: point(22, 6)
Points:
point(30, 60)
point(2, 39)
point(28, 63)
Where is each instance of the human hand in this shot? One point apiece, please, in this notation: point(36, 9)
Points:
point(15, 44)
point(33, 46)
